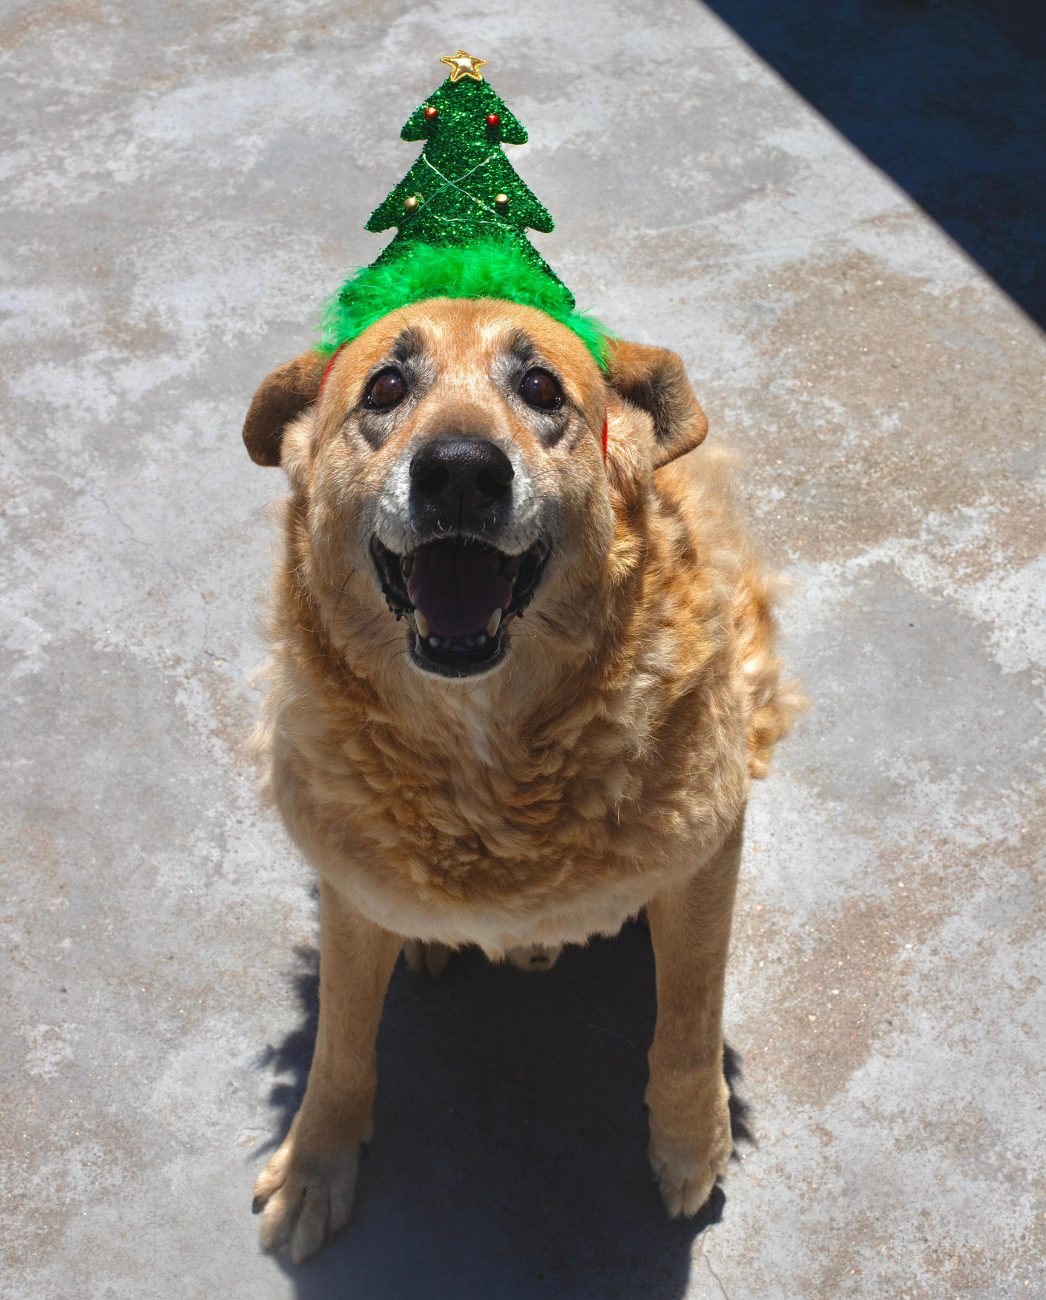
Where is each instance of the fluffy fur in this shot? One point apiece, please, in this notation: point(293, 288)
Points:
point(602, 768)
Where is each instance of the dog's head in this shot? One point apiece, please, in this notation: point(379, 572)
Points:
point(448, 469)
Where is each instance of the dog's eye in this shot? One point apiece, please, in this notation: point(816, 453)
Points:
point(385, 390)
point(541, 390)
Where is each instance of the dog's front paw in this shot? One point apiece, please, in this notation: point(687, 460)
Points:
point(690, 1145)
point(304, 1197)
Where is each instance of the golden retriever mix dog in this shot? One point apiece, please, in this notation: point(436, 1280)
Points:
point(522, 675)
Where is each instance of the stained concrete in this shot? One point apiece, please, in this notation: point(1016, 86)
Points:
point(183, 185)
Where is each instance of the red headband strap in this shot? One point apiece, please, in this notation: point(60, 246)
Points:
point(327, 369)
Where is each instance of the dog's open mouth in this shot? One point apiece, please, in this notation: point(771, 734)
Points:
point(460, 595)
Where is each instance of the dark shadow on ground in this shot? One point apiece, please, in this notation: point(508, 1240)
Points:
point(945, 96)
point(509, 1158)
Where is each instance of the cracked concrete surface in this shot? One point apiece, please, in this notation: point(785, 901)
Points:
point(183, 186)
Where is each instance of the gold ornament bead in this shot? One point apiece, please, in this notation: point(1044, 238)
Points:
point(410, 203)
point(501, 200)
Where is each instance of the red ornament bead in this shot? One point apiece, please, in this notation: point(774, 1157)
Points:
point(431, 112)
point(493, 119)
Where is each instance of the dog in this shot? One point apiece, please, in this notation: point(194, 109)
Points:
point(522, 676)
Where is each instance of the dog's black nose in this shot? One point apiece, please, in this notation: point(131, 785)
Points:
point(466, 475)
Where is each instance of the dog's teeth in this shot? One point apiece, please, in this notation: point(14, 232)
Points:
point(421, 623)
point(481, 639)
point(407, 565)
point(434, 642)
point(494, 623)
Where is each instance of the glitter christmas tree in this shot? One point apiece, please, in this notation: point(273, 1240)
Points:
point(463, 189)
point(461, 215)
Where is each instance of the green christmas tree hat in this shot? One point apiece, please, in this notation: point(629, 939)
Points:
point(461, 215)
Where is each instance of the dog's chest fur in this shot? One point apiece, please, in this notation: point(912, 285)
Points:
point(481, 818)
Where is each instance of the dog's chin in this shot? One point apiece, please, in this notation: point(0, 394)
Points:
point(460, 655)
point(448, 661)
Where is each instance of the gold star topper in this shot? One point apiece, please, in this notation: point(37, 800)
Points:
point(464, 64)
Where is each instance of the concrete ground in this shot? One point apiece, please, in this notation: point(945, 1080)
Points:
point(183, 186)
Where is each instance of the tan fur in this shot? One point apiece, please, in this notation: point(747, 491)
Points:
point(602, 767)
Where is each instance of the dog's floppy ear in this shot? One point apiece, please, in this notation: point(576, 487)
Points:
point(283, 395)
point(654, 379)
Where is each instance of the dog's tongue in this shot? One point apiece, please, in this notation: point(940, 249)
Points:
point(457, 586)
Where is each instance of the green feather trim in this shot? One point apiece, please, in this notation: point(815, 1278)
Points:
point(482, 270)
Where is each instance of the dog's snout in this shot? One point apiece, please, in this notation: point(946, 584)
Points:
point(461, 473)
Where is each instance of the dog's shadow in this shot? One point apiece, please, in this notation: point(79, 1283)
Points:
point(509, 1155)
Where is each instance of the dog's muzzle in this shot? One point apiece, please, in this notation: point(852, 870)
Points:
point(457, 585)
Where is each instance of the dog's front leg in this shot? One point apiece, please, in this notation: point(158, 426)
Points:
point(690, 1141)
point(308, 1187)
